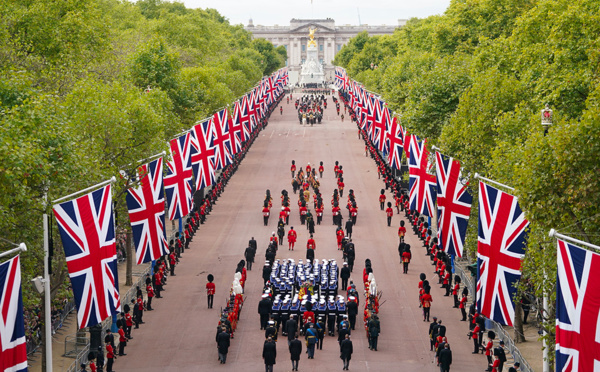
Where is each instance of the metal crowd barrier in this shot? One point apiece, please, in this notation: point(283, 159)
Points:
point(82, 356)
point(509, 343)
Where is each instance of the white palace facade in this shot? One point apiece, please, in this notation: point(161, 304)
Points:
point(329, 37)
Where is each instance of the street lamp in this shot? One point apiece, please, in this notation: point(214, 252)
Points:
point(546, 118)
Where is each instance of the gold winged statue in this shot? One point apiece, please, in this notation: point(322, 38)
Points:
point(311, 35)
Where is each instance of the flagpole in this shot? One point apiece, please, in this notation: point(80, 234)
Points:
point(477, 175)
point(149, 158)
point(554, 234)
point(21, 247)
point(111, 180)
point(47, 309)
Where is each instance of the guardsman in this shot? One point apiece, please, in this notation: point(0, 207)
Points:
point(337, 214)
point(406, 256)
point(341, 186)
point(353, 213)
point(321, 169)
point(463, 304)
point(210, 290)
point(150, 294)
point(382, 199)
point(389, 213)
point(401, 231)
point(282, 214)
point(273, 238)
point(286, 209)
point(311, 246)
point(266, 213)
point(335, 169)
point(308, 168)
point(426, 301)
point(319, 212)
point(303, 211)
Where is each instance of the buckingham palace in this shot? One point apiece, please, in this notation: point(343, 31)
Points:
point(329, 37)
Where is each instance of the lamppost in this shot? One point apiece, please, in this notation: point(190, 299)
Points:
point(546, 116)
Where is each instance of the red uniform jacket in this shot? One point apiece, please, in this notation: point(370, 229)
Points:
point(210, 288)
point(389, 212)
point(463, 302)
point(128, 319)
point(401, 231)
point(311, 244)
point(406, 256)
point(149, 291)
point(292, 236)
point(382, 198)
point(426, 300)
point(110, 354)
point(266, 212)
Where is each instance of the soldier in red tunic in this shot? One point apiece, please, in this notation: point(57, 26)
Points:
point(406, 256)
point(321, 170)
point(382, 199)
point(266, 213)
point(150, 293)
point(293, 168)
point(303, 211)
point(210, 290)
point(319, 212)
point(389, 212)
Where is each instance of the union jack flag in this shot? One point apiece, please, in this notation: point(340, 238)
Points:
point(236, 130)
point(454, 205)
point(241, 114)
point(339, 77)
point(395, 142)
point(146, 204)
point(220, 139)
point(422, 184)
point(251, 109)
point(202, 155)
point(270, 90)
point(87, 231)
point(13, 357)
point(381, 123)
point(370, 114)
point(179, 178)
point(500, 248)
point(577, 309)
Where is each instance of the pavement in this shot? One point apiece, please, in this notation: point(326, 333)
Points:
point(179, 335)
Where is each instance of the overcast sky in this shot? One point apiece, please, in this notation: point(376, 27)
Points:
point(272, 12)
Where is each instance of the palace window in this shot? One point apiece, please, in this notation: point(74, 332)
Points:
point(321, 48)
point(303, 48)
point(339, 47)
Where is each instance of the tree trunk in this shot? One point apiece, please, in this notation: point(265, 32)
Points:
point(519, 334)
point(129, 273)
